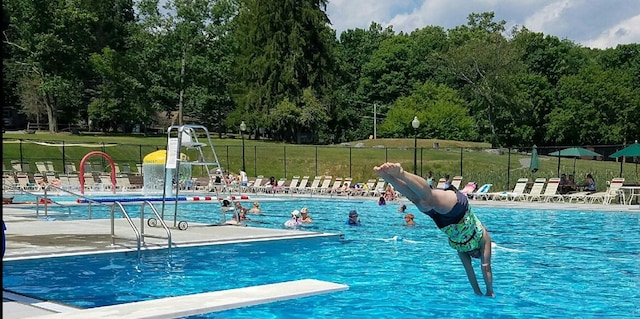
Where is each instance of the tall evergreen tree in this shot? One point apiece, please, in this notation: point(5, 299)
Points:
point(284, 47)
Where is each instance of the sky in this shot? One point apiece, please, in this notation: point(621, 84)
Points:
point(591, 23)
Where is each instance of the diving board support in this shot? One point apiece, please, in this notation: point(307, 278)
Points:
point(189, 305)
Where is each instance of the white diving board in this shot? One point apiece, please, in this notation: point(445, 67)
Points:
point(182, 306)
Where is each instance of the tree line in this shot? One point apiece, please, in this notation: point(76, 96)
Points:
point(279, 66)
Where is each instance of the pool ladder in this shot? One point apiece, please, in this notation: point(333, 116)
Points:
point(140, 234)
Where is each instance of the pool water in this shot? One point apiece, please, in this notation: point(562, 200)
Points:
point(547, 264)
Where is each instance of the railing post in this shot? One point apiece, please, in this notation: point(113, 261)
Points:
point(64, 162)
point(350, 161)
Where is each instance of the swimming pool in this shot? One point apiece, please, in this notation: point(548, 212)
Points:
point(548, 263)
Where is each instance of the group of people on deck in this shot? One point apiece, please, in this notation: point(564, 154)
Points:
point(568, 184)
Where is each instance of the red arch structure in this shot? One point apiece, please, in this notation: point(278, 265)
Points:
point(113, 169)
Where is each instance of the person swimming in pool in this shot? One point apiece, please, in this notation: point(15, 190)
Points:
point(451, 212)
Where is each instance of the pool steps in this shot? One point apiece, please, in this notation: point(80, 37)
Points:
point(189, 305)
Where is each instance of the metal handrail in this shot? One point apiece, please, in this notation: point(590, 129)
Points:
point(155, 212)
point(133, 226)
point(88, 199)
point(47, 200)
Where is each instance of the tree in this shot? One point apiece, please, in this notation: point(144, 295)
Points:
point(443, 114)
point(486, 67)
point(284, 47)
point(49, 43)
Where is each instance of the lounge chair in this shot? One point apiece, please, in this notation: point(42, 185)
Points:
point(368, 186)
point(301, 186)
point(345, 189)
point(607, 196)
point(518, 190)
point(292, 185)
point(20, 167)
point(378, 190)
point(51, 170)
point(536, 191)
point(441, 183)
point(484, 192)
point(469, 188)
point(324, 187)
point(551, 191)
point(456, 182)
point(124, 184)
point(336, 186)
point(9, 182)
point(70, 168)
point(257, 184)
point(314, 185)
point(125, 169)
point(25, 184)
point(74, 181)
point(42, 169)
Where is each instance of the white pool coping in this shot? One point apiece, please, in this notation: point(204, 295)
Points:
point(188, 305)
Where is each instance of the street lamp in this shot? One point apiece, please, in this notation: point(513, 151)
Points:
point(243, 127)
point(415, 123)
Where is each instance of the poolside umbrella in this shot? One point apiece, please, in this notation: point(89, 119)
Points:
point(629, 151)
point(534, 165)
point(574, 152)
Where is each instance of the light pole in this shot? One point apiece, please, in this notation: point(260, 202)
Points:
point(415, 123)
point(243, 127)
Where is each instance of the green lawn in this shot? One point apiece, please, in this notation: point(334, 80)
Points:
point(356, 159)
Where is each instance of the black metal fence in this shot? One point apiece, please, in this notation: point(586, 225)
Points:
point(500, 167)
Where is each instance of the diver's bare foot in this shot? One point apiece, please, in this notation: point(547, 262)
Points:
point(389, 169)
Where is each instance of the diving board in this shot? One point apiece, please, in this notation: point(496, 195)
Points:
point(182, 306)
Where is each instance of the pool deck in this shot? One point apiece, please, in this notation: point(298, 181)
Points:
point(27, 237)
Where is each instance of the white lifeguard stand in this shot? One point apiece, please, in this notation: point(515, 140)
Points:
point(177, 163)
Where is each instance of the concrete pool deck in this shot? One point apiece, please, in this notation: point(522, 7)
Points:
point(28, 237)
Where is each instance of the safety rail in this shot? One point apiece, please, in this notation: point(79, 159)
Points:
point(164, 225)
point(88, 199)
point(40, 199)
point(128, 218)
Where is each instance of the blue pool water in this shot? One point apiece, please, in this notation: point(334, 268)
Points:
point(548, 264)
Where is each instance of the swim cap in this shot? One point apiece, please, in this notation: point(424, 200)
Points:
point(295, 213)
point(353, 213)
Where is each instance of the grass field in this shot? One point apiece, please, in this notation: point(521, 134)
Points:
point(474, 161)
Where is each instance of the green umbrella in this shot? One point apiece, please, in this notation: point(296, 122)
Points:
point(534, 165)
point(574, 152)
point(629, 151)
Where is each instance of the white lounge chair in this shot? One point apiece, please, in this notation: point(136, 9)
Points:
point(551, 191)
point(536, 191)
point(301, 186)
point(379, 188)
point(325, 185)
point(607, 196)
point(292, 185)
point(456, 182)
point(518, 190)
point(314, 185)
